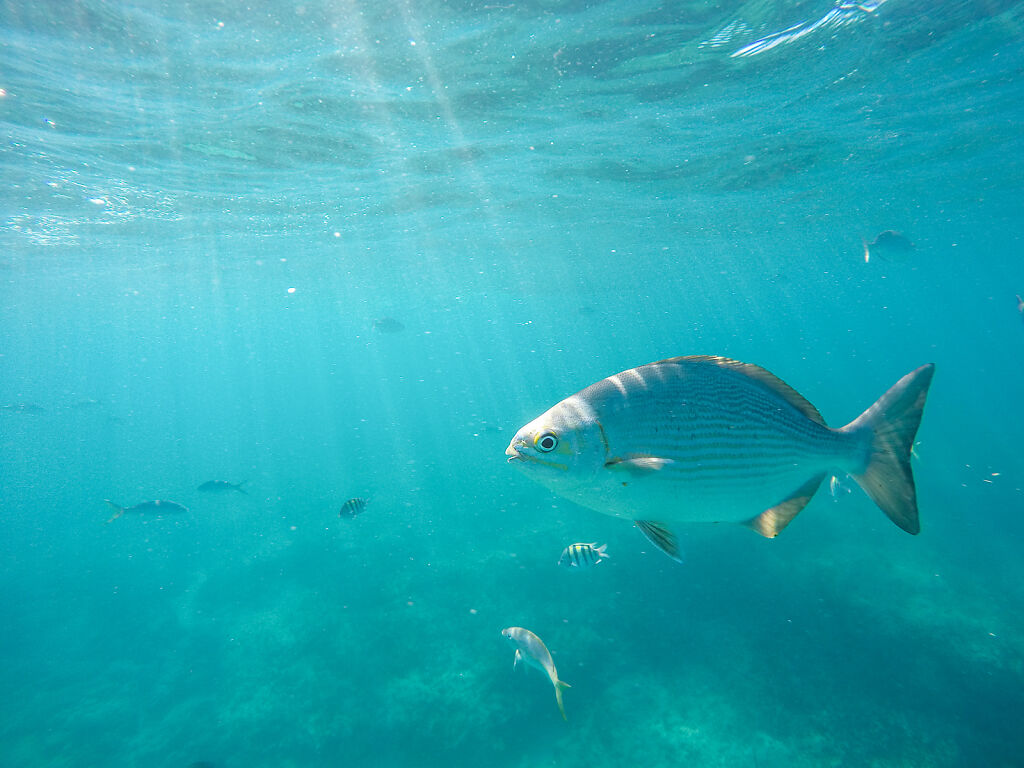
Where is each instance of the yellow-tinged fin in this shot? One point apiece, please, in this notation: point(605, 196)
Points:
point(770, 522)
point(765, 379)
point(118, 511)
point(559, 685)
point(661, 536)
point(891, 424)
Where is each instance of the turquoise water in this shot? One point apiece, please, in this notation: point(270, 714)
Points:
point(206, 207)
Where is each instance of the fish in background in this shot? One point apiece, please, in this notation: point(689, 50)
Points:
point(353, 507)
point(709, 439)
point(387, 325)
point(582, 555)
point(531, 650)
point(222, 486)
point(889, 245)
point(1020, 306)
point(29, 409)
point(158, 507)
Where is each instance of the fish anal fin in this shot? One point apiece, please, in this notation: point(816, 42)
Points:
point(638, 464)
point(661, 536)
point(771, 522)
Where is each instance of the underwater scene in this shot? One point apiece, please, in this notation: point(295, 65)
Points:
point(328, 434)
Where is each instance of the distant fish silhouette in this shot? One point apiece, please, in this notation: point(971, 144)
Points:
point(889, 245)
point(353, 507)
point(157, 507)
point(1020, 306)
point(25, 408)
point(85, 405)
point(221, 486)
point(387, 325)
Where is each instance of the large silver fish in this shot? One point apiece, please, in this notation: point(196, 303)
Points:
point(709, 439)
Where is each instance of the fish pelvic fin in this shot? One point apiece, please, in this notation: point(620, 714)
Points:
point(118, 511)
point(661, 536)
point(559, 687)
point(891, 424)
point(771, 522)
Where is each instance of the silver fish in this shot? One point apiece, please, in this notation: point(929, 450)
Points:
point(158, 507)
point(222, 486)
point(353, 507)
point(709, 439)
point(531, 650)
point(889, 246)
point(582, 555)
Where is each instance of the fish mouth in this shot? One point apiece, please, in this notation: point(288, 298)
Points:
point(513, 454)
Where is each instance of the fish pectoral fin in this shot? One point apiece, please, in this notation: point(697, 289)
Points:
point(516, 660)
point(638, 465)
point(771, 522)
point(661, 536)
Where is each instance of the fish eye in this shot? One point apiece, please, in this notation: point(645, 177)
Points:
point(546, 441)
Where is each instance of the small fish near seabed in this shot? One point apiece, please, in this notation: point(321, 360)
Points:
point(387, 325)
point(709, 439)
point(531, 650)
point(222, 486)
point(582, 555)
point(889, 245)
point(158, 507)
point(353, 507)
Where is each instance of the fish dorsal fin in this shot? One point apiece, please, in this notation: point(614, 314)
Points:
point(756, 373)
point(661, 536)
point(770, 522)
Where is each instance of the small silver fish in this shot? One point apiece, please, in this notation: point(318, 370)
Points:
point(709, 439)
point(1020, 306)
point(531, 650)
point(221, 486)
point(889, 245)
point(353, 507)
point(158, 507)
point(388, 325)
point(582, 555)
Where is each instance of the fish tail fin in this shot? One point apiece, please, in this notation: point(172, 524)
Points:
point(601, 552)
point(118, 511)
point(240, 489)
point(559, 687)
point(891, 424)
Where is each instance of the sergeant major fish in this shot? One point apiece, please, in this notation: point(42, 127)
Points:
point(709, 439)
point(156, 507)
point(531, 650)
point(582, 555)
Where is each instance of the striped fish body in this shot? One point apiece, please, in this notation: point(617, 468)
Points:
point(353, 507)
point(582, 555)
point(708, 439)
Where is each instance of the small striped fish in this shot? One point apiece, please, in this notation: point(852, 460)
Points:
point(582, 555)
point(353, 507)
point(709, 439)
